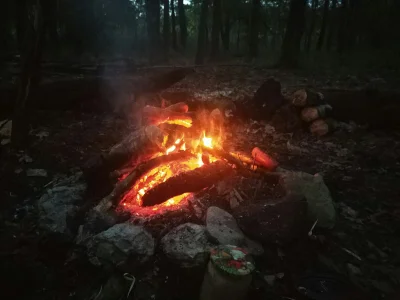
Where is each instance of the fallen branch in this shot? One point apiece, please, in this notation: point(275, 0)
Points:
point(122, 186)
point(187, 182)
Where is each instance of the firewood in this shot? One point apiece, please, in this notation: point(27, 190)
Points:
point(181, 107)
point(310, 114)
point(149, 140)
point(221, 153)
point(187, 182)
point(307, 97)
point(322, 127)
point(154, 116)
point(124, 185)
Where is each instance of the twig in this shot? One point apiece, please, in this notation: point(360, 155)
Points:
point(131, 278)
point(310, 233)
point(351, 253)
point(238, 195)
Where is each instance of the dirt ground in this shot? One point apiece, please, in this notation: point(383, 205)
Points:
point(361, 168)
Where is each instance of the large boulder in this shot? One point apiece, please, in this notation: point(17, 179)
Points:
point(273, 222)
point(223, 229)
point(313, 189)
point(123, 245)
point(60, 202)
point(187, 245)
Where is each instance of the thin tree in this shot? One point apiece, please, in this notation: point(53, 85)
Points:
point(166, 29)
point(201, 38)
point(226, 27)
point(311, 28)
point(153, 28)
point(254, 28)
point(29, 78)
point(182, 23)
point(173, 25)
point(216, 27)
point(293, 35)
point(332, 25)
point(322, 32)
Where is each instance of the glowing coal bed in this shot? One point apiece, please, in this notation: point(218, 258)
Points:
point(132, 200)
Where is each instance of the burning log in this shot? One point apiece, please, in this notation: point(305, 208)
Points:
point(192, 181)
point(264, 159)
point(155, 115)
point(149, 139)
point(122, 186)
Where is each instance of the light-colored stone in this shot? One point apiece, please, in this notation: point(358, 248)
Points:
point(60, 202)
point(223, 229)
point(313, 189)
point(122, 244)
point(186, 245)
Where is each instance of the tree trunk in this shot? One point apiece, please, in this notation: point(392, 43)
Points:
point(182, 23)
point(173, 21)
point(312, 25)
point(332, 25)
point(166, 29)
point(50, 11)
point(294, 32)
point(226, 32)
point(238, 37)
point(153, 29)
point(321, 37)
point(216, 27)
point(21, 23)
point(29, 78)
point(254, 28)
point(201, 38)
point(341, 37)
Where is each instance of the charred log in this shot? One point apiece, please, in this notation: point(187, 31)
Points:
point(121, 187)
point(188, 182)
point(147, 140)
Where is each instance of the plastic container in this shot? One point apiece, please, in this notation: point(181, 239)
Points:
point(228, 275)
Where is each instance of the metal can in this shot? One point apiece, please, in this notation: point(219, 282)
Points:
point(228, 274)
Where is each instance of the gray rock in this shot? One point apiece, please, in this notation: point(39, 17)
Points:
point(273, 222)
point(223, 229)
point(313, 189)
point(60, 202)
point(187, 245)
point(123, 245)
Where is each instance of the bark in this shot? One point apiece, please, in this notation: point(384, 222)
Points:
point(187, 182)
point(254, 28)
point(166, 29)
point(182, 23)
point(312, 25)
point(216, 27)
point(325, 17)
point(201, 39)
point(173, 23)
point(153, 29)
point(30, 72)
point(294, 32)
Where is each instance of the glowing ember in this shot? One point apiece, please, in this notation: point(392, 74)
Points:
point(133, 198)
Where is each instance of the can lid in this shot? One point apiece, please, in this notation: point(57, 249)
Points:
point(232, 260)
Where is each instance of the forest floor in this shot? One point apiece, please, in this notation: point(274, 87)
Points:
point(361, 167)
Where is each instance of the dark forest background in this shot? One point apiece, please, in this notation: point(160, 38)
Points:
point(287, 32)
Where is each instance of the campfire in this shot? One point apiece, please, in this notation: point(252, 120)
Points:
point(175, 154)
